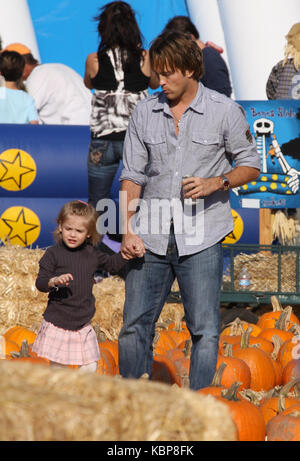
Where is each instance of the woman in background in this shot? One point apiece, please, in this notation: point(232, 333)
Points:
point(120, 75)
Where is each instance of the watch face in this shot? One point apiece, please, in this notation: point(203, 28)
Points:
point(225, 183)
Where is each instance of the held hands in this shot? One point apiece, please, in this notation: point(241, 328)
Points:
point(195, 187)
point(132, 247)
point(61, 280)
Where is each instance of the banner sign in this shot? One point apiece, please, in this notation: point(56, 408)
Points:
point(275, 125)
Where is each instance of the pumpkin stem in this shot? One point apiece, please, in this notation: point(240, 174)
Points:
point(24, 351)
point(295, 329)
point(276, 304)
point(187, 348)
point(284, 320)
point(236, 327)
point(288, 386)
point(245, 338)
point(231, 393)
point(277, 341)
point(228, 350)
point(218, 375)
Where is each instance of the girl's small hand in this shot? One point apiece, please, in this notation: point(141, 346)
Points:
point(60, 280)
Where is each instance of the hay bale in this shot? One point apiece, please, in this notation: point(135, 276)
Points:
point(38, 403)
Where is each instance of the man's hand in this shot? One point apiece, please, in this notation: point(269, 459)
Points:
point(195, 187)
point(132, 247)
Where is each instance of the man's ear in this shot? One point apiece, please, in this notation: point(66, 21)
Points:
point(189, 73)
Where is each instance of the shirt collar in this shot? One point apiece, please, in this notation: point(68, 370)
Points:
point(197, 104)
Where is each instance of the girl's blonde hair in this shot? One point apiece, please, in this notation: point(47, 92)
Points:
point(83, 209)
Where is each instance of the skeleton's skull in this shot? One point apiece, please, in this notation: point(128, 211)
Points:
point(263, 127)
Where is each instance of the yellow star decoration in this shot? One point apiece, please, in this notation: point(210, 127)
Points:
point(235, 235)
point(19, 226)
point(17, 170)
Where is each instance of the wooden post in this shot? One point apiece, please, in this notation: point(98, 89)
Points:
point(265, 226)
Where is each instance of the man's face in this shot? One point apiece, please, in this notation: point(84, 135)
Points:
point(174, 83)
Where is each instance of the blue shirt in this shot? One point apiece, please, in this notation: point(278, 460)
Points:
point(213, 133)
point(16, 106)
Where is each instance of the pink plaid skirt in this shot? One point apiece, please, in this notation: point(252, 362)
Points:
point(67, 347)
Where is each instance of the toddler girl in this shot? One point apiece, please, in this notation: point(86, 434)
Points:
point(66, 271)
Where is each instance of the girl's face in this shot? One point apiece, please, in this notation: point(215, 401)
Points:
point(74, 231)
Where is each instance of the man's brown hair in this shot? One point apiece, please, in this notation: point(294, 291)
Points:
point(176, 51)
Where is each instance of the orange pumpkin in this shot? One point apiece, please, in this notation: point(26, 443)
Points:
point(8, 347)
point(291, 371)
point(113, 348)
point(246, 416)
point(269, 319)
point(26, 355)
point(106, 364)
point(164, 370)
point(235, 370)
point(237, 327)
point(272, 406)
point(260, 364)
point(284, 427)
point(18, 334)
point(289, 350)
point(164, 339)
point(215, 388)
point(261, 343)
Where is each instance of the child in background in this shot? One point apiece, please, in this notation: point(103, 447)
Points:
point(66, 271)
point(16, 105)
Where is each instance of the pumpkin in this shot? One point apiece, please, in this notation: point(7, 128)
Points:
point(280, 328)
point(261, 343)
point(113, 348)
point(246, 416)
point(106, 365)
point(238, 326)
point(164, 340)
point(291, 371)
point(284, 427)
point(260, 364)
point(18, 334)
point(269, 319)
point(25, 355)
point(7, 347)
point(165, 371)
point(289, 350)
point(215, 387)
point(272, 406)
point(236, 369)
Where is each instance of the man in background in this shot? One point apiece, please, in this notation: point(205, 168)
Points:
point(60, 95)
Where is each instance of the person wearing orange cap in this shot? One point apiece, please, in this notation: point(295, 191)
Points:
point(16, 105)
point(284, 79)
point(60, 96)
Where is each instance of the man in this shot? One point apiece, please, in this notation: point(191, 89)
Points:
point(216, 74)
point(60, 95)
point(186, 129)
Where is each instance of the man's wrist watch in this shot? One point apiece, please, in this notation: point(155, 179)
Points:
point(226, 184)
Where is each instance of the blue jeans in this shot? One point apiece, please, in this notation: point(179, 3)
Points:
point(103, 163)
point(148, 284)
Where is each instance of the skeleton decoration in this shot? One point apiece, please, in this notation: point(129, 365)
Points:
point(288, 179)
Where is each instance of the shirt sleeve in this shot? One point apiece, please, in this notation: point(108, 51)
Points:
point(272, 83)
point(111, 263)
point(135, 154)
point(239, 142)
point(47, 268)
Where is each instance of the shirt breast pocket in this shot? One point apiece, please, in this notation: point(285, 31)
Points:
point(205, 145)
point(157, 150)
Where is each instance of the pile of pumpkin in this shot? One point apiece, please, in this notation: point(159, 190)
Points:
point(257, 376)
